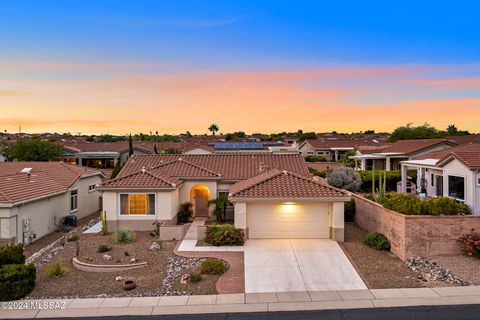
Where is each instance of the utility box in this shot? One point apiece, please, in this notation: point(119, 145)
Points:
point(70, 221)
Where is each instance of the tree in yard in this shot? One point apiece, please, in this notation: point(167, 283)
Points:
point(345, 178)
point(410, 132)
point(345, 159)
point(34, 150)
point(452, 130)
point(116, 170)
point(130, 145)
point(221, 204)
point(213, 128)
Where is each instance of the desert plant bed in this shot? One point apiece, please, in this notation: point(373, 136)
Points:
point(381, 269)
point(149, 280)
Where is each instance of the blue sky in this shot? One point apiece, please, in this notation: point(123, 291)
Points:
point(72, 41)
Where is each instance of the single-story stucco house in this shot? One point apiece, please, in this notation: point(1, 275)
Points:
point(453, 173)
point(35, 196)
point(273, 195)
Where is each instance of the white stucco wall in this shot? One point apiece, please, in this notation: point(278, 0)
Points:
point(88, 202)
point(456, 168)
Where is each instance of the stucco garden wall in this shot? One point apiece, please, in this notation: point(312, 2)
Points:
point(414, 235)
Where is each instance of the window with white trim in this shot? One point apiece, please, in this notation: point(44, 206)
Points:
point(92, 187)
point(137, 204)
point(73, 200)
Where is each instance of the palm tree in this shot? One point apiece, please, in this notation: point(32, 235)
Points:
point(213, 128)
point(220, 209)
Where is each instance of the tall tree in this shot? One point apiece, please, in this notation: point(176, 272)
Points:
point(34, 150)
point(213, 128)
point(130, 146)
point(410, 132)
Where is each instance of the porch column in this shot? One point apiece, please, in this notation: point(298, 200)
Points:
point(404, 177)
point(336, 155)
point(363, 164)
point(338, 222)
point(387, 164)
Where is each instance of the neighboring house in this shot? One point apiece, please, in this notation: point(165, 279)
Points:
point(320, 166)
point(273, 194)
point(332, 150)
point(198, 149)
point(287, 148)
point(256, 146)
point(389, 157)
point(34, 196)
point(453, 172)
point(103, 155)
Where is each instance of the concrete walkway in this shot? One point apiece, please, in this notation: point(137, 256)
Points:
point(250, 302)
point(96, 228)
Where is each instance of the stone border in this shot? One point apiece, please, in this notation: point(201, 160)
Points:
point(88, 267)
point(249, 302)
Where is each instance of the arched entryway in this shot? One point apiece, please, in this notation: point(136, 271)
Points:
point(199, 196)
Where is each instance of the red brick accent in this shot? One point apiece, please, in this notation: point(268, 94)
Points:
point(233, 280)
point(414, 235)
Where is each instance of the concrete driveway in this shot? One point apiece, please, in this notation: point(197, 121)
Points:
point(283, 265)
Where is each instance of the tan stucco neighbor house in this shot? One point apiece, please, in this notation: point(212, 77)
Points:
point(34, 196)
point(272, 195)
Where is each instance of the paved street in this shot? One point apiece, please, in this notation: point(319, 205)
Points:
point(459, 312)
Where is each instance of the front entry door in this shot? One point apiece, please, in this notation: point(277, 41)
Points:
point(201, 203)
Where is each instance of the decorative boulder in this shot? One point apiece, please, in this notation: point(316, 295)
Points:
point(107, 257)
point(184, 278)
point(154, 247)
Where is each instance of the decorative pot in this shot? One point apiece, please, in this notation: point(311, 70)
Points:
point(129, 285)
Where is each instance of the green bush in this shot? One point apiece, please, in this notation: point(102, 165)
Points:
point(12, 254)
point(195, 277)
point(393, 177)
point(377, 241)
point(315, 159)
point(350, 211)
point(224, 235)
point(56, 270)
point(212, 266)
point(124, 236)
point(185, 212)
point(103, 248)
point(412, 205)
point(444, 206)
point(73, 238)
point(16, 281)
point(403, 202)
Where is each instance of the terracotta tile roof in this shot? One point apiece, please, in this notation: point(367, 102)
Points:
point(118, 146)
point(413, 146)
point(181, 168)
point(142, 180)
point(232, 166)
point(327, 144)
point(21, 187)
point(200, 146)
point(64, 173)
point(319, 166)
point(471, 138)
point(180, 145)
point(372, 148)
point(469, 155)
point(283, 184)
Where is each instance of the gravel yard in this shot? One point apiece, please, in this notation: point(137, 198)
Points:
point(464, 267)
point(381, 269)
point(157, 278)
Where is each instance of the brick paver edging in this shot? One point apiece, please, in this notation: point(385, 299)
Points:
point(249, 302)
point(233, 280)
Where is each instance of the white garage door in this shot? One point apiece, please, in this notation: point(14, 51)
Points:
point(287, 220)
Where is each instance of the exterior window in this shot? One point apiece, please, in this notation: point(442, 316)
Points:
point(73, 200)
point(478, 181)
point(137, 204)
point(432, 180)
point(92, 187)
point(456, 187)
point(310, 153)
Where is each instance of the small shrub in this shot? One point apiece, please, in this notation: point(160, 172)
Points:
point(103, 248)
point(471, 244)
point(350, 211)
point(377, 241)
point(345, 178)
point(73, 238)
point(124, 236)
point(56, 270)
point(185, 212)
point(212, 266)
point(324, 173)
point(403, 202)
point(224, 235)
point(16, 281)
point(315, 159)
point(12, 254)
point(195, 277)
point(444, 206)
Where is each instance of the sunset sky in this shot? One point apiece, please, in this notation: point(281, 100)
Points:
point(171, 66)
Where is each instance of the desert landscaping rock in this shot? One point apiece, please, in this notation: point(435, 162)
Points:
point(430, 270)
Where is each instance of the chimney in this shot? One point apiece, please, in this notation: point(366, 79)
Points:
point(143, 169)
